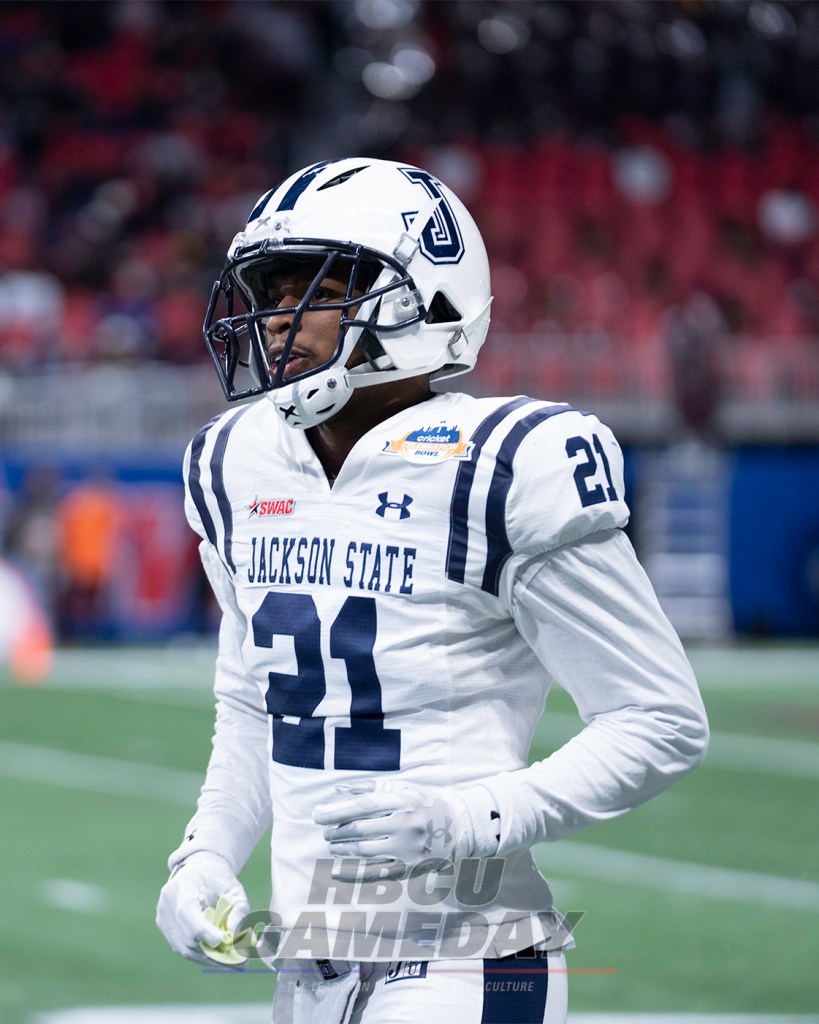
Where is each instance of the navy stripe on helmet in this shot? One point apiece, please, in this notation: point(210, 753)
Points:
point(301, 183)
point(458, 544)
point(259, 207)
point(498, 548)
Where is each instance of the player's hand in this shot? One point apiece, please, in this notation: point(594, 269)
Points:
point(180, 914)
point(395, 825)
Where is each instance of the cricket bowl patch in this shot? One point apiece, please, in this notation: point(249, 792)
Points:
point(430, 444)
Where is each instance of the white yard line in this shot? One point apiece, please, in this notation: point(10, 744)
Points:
point(259, 1013)
point(603, 864)
point(718, 668)
point(164, 675)
point(127, 667)
point(686, 1018)
point(758, 668)
point(95, 774)
point(171, 785)
point(796, 759)
point(69, 894)
point(168, 675)
point(230, 1013)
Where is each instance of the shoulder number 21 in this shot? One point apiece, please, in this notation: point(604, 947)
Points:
point(591, 492)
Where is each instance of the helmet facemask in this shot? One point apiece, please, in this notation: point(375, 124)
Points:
point(238, 341)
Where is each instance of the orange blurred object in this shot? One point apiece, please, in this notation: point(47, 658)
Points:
point(32, 654)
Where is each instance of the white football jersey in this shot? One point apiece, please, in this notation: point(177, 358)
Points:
point(410, 619)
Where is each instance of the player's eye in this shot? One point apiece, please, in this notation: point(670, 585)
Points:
point(291, 297)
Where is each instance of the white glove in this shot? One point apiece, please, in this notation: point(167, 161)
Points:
point(395, 825)
point(198, 883)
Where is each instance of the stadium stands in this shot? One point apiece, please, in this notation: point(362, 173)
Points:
point(137, 134)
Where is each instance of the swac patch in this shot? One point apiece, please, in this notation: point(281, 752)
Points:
point(274, 507)
point(430, 444)
point(402, 970)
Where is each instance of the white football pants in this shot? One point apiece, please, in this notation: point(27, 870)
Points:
point(513, 990)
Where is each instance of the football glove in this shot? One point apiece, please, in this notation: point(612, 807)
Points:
point(395, 825)
point(194, 888)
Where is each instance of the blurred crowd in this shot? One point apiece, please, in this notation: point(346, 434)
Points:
point(101, 558)
point(635, 166)
point(644, 173)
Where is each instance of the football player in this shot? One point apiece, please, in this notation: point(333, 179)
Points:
point(403, 574)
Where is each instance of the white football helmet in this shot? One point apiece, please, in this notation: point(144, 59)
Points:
point(391, 230)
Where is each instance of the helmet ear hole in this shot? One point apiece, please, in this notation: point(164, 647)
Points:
point(370, 347)
point(441, 311)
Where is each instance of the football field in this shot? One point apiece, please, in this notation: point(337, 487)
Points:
point(703, 902)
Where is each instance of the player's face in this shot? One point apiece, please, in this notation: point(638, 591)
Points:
point(317, 334)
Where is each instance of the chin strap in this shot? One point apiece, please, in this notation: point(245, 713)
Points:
point(409, 242)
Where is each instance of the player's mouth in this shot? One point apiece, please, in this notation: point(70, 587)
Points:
point(297, 362)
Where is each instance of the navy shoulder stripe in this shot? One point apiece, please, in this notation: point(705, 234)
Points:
point(217, 473)
point(195, 479)
point(497, 539)
point(458, 544)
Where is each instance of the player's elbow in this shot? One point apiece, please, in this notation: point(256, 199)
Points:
point(691, 737)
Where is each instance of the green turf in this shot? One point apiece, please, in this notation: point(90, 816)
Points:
point(668, 951)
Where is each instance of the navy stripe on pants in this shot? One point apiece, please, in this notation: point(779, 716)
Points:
point(515, 988)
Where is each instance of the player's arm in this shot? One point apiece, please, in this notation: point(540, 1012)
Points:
point(583, 603)
point(590, 613)
point(233, 810)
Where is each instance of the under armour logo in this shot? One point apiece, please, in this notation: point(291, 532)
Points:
point(289, 411)
point(401, 507)
point(442, 832)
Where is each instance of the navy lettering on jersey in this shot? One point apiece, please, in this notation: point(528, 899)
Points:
point(365, 745)
point(286, 560)
point(368, 565)
point(587, 470)
point(299, 741)
point(372, 566)
point(292, 698)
